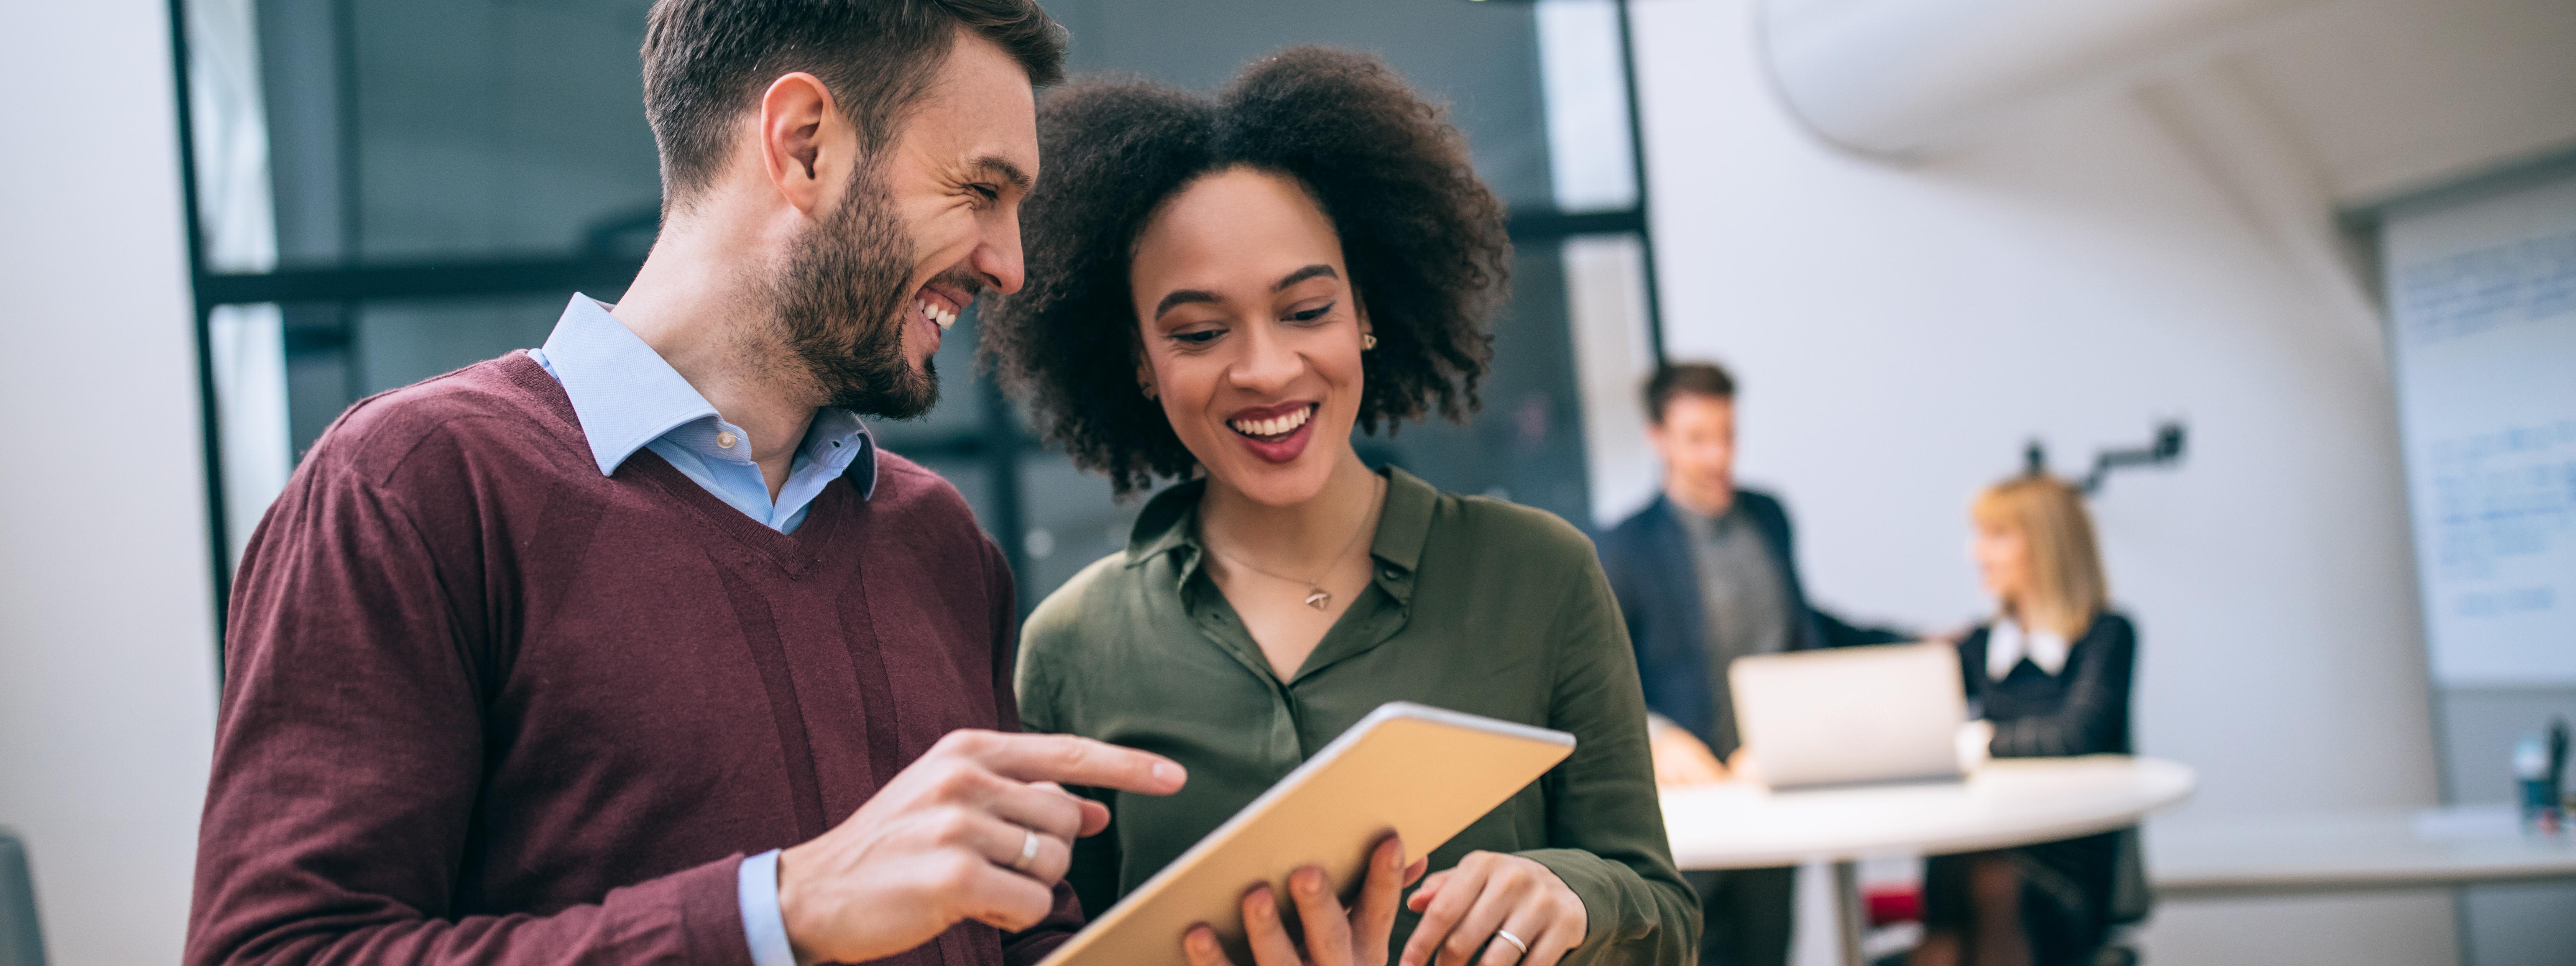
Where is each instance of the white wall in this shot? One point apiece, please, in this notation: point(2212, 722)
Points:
point(107, 687)
point(1901, 331)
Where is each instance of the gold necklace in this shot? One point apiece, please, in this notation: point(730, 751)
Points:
point(1316, 596)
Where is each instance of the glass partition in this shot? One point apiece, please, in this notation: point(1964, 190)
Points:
point(385, 191)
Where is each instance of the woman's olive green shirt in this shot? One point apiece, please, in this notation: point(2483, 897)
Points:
point(1475, 605)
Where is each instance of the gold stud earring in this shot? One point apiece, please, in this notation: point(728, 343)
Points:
point(1145, 388)
point(1367, 342)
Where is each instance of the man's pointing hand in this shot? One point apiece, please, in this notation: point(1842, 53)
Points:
point(979, 828)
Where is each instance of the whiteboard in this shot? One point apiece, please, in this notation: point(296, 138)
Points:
point(2482, 305)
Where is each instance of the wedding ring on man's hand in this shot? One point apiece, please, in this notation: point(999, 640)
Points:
point(1506, 936)
point(1028, 851)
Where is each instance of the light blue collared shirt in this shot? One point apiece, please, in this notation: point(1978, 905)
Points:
point(628, 399)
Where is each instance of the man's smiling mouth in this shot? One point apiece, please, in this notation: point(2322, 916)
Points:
point(937, 311)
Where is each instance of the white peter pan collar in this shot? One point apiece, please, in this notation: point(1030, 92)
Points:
point(2007, 644)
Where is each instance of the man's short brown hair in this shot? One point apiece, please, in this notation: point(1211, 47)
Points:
point(706, 62)
point(1675, 378)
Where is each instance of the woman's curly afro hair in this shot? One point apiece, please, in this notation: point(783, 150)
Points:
point(1423, 239)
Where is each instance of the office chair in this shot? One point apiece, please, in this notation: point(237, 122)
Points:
point(22, 943)
point(2132, 899)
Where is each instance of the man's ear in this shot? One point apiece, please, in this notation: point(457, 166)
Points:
point(799, 133)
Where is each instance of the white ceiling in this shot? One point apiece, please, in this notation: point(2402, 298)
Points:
point(2391, 96)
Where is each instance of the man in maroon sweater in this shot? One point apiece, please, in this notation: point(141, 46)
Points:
point(635, 649)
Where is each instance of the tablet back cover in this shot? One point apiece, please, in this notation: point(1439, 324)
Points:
point(1420, 772)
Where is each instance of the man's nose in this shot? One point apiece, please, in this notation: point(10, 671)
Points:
point(998, 258)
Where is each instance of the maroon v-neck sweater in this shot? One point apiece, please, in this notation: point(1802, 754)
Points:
point(485, 705)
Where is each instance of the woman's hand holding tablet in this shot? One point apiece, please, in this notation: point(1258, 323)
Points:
point(1333, 936)
point(1513, 908)
point(1332, 820)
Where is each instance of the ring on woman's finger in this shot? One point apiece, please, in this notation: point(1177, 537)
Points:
point(1506, 936)
point(1028, 851)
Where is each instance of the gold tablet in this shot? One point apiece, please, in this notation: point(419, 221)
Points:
point(1419, 772)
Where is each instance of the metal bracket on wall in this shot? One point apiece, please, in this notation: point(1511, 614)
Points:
point(22, 940)
point(2167, 447)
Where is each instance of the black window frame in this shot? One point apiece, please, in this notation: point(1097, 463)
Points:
point(1000, 443)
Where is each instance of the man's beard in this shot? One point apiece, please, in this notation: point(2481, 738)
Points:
point(843, 302)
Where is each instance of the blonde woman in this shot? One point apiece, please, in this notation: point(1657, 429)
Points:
point(2051, 673)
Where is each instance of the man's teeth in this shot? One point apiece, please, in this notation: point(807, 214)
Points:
point(1273, 426)
point(935, 313)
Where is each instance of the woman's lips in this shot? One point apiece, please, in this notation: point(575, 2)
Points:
point(1272, 421)
point(1276, 438)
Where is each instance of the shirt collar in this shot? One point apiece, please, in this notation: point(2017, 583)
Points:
point(2007, 643)
point(1405, 523)
point(1699, 524)
point(622, 391)
point(1169, 521)
point(626, 396)
point(858, 450)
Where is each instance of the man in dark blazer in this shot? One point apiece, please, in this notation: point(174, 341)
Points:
point(1704, 575)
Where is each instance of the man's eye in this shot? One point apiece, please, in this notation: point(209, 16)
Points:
point(986, 192)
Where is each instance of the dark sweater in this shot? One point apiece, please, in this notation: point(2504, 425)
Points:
point(2083, 709)
point(485, 705)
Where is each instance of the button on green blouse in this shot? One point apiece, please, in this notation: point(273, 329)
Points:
point(1476, 605)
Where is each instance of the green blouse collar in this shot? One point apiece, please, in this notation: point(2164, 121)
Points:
point(1170, 521)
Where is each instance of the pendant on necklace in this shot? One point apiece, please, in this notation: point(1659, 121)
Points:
point(1318, 598)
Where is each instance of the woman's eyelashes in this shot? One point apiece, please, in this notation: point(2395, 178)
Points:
point(1312, 315)
point(1197, 338)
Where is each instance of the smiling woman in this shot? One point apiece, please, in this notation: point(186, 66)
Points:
point(1413, 226)
point(1229, 289)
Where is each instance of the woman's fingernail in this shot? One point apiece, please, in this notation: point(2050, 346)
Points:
point(1165, 771)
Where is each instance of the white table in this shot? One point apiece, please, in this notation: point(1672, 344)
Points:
point(2192, 858)
point(2006, 802)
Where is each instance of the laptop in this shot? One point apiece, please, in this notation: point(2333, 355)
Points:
point(1884, 713)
